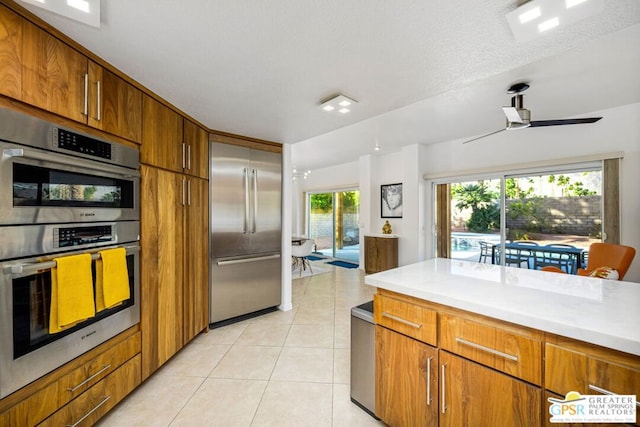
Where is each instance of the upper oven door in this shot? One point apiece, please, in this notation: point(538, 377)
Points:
point(40, 186)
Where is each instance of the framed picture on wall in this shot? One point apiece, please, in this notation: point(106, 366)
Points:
point(391, 201)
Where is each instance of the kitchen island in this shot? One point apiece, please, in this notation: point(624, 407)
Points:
point(465, 343)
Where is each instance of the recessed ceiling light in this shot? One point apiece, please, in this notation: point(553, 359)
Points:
point(571, 3)
point(536, 17)
point(549, 24)
point(338, 104)
point(529, 15)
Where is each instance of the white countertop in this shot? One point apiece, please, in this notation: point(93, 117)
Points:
point(598, 311)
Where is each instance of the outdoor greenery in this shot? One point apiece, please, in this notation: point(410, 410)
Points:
point(323, 202)
point(483, 201)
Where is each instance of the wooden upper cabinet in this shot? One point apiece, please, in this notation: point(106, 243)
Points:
point(114, 105)
point(162, 136)
point(10, 53)
point(196, 141)
point(53, 74)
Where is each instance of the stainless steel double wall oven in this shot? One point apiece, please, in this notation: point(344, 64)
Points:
point(62, 192)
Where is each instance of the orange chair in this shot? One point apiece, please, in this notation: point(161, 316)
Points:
point(618, 257)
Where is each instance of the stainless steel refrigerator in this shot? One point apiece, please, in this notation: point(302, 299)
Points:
point(246, 225)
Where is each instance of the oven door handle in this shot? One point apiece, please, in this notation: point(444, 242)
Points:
point(75, 162)
point(28, 268)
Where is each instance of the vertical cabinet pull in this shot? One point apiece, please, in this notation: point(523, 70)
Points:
point(429, 359)
point(183, 191)
point(86, 95)
point(74, 388)
point(95, 408)
point(99, 99)
point(444, 387)
point(184, 163)
point(189, 193)
point(189, 156)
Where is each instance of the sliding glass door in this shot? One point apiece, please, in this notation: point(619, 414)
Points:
point(333, 219)
point(528, 220)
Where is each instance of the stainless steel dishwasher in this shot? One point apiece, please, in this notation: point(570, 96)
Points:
point(363, 364)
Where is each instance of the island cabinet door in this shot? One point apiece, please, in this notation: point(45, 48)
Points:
point(406, 380)
point(474, 395)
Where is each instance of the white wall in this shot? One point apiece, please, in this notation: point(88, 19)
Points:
point(619, 130)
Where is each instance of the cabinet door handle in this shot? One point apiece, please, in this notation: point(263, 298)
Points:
point(184, 162)
point(605, 391)
point(86, 95)
point(189, 193)
point(104, 368)
point(99, 99)
point(429, 359)
point(184, 192)
point(189, 156)
point(444, 387)
point(486, 349)
point(401, 320)
point(95, 408)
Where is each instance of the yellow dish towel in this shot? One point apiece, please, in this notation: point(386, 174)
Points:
point(71, 292)
point(112, 278)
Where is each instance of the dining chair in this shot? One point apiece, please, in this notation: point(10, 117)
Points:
point(524, 253)
point(617, 257)
point(300, 254)
point(485, 252)
point(563, 261)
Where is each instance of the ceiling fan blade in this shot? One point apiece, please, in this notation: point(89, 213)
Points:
point(541, 123)
point(484, 136)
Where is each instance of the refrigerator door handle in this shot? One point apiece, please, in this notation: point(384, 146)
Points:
point(255, 200)
point(246, 260)
point(245, 183)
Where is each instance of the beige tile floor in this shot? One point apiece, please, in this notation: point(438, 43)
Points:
point(281, 369)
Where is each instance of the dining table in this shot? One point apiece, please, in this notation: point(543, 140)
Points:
point(576, 254)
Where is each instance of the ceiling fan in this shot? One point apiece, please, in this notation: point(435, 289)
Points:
point(519, 117)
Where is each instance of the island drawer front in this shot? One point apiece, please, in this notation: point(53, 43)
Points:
point(406, 318)
point(490, 345)
point(564, 370)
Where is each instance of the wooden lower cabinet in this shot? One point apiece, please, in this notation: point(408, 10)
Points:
point(474, 395)
point(406, 380)
point(590, 370)
point(90, 406)
point(380, 253)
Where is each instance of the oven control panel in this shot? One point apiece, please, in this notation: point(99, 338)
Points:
point(82, 144)
point(82, 235)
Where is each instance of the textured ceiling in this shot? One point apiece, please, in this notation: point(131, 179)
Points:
point(422, 71)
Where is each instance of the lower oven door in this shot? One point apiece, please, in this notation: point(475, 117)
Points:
point(27, 349)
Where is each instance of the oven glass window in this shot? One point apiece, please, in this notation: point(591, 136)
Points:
point(38, 186)
point(32, 304)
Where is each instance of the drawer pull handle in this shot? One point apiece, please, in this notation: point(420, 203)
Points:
point(487, 349)
point(444, 387)
point(429, 381)
point(401, 320)
point(104, 368)
point(95, 408)
point(605, 391)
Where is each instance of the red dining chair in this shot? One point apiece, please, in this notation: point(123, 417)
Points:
point(617, 257)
